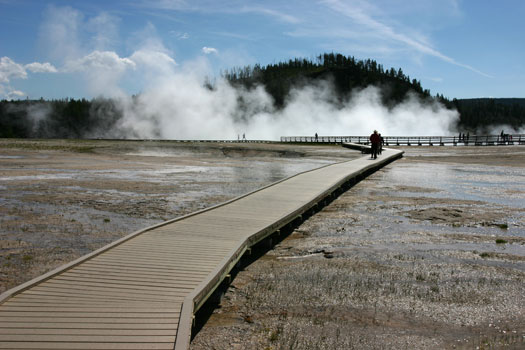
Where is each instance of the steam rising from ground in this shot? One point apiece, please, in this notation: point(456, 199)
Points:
point(183, 108)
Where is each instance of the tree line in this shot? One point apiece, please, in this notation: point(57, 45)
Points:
point(65, 118)
point(100, 117)
point(483, 114)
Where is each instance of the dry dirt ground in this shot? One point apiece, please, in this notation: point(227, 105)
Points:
point(427, 253)
point(61, 199)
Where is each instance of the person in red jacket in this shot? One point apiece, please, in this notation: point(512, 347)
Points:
point(375, 140)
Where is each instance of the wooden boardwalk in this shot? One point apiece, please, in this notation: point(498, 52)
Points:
point(142, 291)
point(471, 140)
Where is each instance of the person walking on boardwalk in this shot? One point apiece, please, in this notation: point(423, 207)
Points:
point(375, 140)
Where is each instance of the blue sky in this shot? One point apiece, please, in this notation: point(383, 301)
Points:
point(56, 49)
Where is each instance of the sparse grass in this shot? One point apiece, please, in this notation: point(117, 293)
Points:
point(503, 226)
point(501, 241)
point(274, 335)
point(512, 340)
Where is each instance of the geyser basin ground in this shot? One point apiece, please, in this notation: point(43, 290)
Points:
point(426, 253)
point(60, 199)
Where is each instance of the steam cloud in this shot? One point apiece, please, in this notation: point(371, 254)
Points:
point(183, 108)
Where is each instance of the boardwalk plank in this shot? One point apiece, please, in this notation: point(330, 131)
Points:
point(87, 338)
point(89, 310)
point(82, 319)
point(103, 295)
point(32, 325)
point(30, 296)
point(132, 277)
point(128, 281)
point(88, 331)
point(85, 346)
point(85, 314)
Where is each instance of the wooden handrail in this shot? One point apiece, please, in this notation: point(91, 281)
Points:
point(477, 140)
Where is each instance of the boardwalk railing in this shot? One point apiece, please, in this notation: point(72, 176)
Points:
point(471, 140)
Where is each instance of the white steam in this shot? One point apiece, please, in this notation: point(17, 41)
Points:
point(181, 107)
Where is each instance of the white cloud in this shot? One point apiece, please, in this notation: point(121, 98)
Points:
point(180, 35)
point(100, 60)
point(7, 92)
point(10, 69)
point(281, 16)
point(167, 4)
point(102, 71)
point(37, 67)
point(153, 59)
point(60, 32)
point(209, 50)
point(105, 29)
point(359, 13)
point(211, 6)
point(15, 94)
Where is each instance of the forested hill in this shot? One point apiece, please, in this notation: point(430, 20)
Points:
point(484, 113)
point(346, 73)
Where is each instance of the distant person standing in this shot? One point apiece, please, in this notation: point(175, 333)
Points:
point(375, 140)
point(381, 142)
point(243, 137)
point(316, 137)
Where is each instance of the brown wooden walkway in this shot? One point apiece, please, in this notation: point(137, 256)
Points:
point(142, 291)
